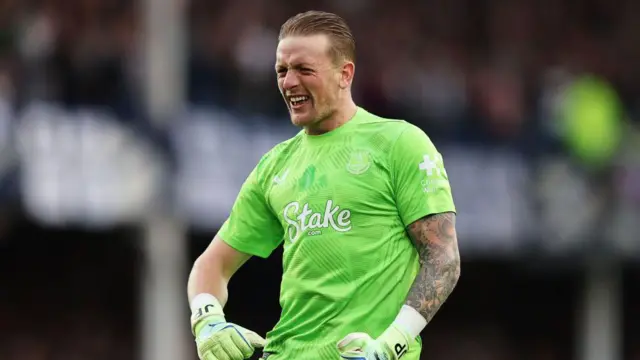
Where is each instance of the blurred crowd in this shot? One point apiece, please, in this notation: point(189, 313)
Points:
point(537, 79)
point(69, 52)
point(487, 71)
point(530, 78)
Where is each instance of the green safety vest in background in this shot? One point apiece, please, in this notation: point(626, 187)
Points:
point(592, 121)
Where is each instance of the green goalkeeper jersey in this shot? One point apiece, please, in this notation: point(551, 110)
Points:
point(340, 204)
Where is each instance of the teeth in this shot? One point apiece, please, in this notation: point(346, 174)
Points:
point(298, 98)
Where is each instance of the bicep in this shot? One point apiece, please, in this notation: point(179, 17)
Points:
point(435, 236)
point(225, 256)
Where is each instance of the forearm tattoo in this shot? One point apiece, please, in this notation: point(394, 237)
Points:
point(435, 239)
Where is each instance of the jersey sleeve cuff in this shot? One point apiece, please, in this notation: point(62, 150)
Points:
point(411, 218)
point(244, 247)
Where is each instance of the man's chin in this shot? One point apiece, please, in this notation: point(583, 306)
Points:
point(301, 120)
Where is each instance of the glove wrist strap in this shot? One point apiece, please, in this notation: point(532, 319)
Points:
point(204, 306)
point(411, 321)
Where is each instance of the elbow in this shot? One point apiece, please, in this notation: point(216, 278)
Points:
point(221, 260)
point(451, 268)
point(203, 262)
point(455, 268)
point(203, 259)
point(207, 265)
point(455, 260)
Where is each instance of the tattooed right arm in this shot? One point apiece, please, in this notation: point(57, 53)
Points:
point(435, 239)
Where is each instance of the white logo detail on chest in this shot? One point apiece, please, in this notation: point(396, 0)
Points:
point(279, 179)
point(359, 162)
point(302, 219)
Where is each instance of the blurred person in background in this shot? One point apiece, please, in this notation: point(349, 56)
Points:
point(364, 208)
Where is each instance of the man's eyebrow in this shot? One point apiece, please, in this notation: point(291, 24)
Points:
point(301, 64)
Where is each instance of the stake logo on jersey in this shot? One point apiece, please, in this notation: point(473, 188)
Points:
point(436, 177)
point(302, 219)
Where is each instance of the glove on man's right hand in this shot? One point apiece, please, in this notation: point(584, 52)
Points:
point(217, 339)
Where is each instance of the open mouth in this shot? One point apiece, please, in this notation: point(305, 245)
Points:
point(297, 101)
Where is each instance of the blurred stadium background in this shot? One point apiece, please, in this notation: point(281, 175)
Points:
point(127, 128)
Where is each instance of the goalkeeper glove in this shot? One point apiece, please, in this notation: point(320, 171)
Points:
point(393, 344)
point(217, 339)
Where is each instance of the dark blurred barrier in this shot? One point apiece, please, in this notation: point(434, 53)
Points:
point(73, 294)
point(68, 294)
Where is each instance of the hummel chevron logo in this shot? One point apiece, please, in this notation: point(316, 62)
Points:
point(280, 179)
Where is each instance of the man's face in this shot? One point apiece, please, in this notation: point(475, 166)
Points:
point(308, 78)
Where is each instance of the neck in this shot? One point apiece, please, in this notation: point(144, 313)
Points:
point(341, 116)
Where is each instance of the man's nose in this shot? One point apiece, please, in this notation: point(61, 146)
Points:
point(290, 80)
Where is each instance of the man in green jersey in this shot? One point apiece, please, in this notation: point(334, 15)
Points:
point(362, 206)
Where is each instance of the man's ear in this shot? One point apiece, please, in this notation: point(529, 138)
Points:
point(346, 74)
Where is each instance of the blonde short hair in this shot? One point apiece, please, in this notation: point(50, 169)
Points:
point(343, 44)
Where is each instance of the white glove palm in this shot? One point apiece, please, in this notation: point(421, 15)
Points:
point(393, 344)
point(217, 339)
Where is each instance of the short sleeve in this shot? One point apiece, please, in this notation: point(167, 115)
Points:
point(420, 182)
point(252, 227)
